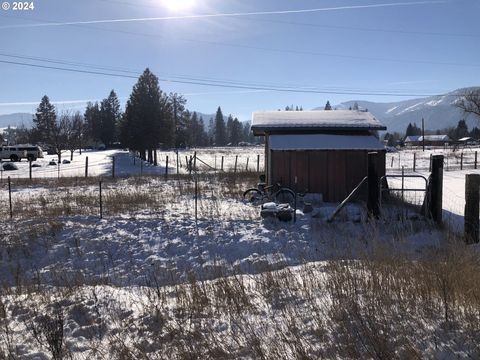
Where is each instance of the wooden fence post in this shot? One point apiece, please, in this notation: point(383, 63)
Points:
point(166, 168)
point(30, 169)
point(373, 201)
point(86, 166)
point(246, 167)
point(436, 189)
point(258, 163)
point(10, 197)
point(472, 201)
point(177, 164)
point(195, 161)
point(221, 166)
point(475, 166)
point(414, 161)
point(461, 161)
point(113, 167)
point(236, 161)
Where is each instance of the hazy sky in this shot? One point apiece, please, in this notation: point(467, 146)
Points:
point(330, 50)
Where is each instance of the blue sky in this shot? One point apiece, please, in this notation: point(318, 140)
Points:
point(354, 49)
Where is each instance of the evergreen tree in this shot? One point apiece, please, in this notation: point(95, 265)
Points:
point(461, 130)
point(93, 122)
point(44, 121)
point(110, 116)
point(475, 133)
point(229, 129)
point(220, 129)
point(355, 106)
point(236, 134)
point(147, 124)
point(328, 106)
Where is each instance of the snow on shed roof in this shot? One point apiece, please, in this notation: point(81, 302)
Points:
point(309, 120)
point(435, 138)
point(324, 142)
point(412, 138)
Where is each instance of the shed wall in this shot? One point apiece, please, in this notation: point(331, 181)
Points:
point(334, 173)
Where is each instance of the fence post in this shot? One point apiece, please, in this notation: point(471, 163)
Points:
point(195, 161)
point(30, 169)
point(177, 164)
point(86, 166)
point(414, 161)
point(236, 161)
point(392, 162)
point(430, 164)
point(196, 199)
point(472, 200)
point(10, 197)
point(436, 189)
point(246, 167)
point(221, 167)
point(101, 202)
point(155, 157)
point(166, 168)
point(113, 167)
point(475, 166)
point(373, 201)
point(461, 161)
point(258, 163)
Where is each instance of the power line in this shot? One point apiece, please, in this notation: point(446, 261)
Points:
point(188, 77)
point(220, 15)
point(212, 84)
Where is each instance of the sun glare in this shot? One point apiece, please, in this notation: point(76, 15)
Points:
point(178, 5)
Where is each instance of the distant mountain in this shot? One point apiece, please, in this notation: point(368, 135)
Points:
point(16, 120)
point(438, 111)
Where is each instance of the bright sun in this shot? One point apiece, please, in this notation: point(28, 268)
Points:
point(178, 5)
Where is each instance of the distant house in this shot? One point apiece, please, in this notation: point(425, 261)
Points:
point(319, 151)
point(430, 140)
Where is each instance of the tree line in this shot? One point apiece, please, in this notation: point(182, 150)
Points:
point(152, 120)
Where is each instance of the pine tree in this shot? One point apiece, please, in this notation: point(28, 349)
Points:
point(44, 121)
point(146, 124)
point(355, 106)
point(236, 134)
point(328, 106)
point(93, 122)
point(220, 129)
point(461, 130)
point(229, 129)
point(110, 116)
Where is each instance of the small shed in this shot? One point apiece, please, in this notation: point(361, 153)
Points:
point(319, 151)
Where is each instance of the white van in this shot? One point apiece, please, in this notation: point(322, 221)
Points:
point(19, 152)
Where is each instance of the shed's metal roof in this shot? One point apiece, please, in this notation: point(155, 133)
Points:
point(315, 120)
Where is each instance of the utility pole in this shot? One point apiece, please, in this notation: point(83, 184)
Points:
point(423, 134)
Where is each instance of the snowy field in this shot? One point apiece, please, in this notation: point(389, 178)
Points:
point(150, 281)
point(100, 163)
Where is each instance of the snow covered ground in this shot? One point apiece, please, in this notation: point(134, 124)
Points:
point(150, 281)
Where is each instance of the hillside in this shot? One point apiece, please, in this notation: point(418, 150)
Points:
point(438, 112)
point(15, 120)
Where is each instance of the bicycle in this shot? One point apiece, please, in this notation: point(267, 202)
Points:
point(275, 193)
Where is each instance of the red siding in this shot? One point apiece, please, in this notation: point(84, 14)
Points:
point(333, 173)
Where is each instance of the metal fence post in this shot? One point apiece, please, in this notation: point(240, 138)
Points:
point(86, 166)
point(10, 197)
point(101, 202)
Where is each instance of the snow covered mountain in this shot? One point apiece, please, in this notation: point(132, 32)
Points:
point(438, 111)
point(15, 120)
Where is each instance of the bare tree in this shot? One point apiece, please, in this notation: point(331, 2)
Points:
point(74, 132)
point(469, 102)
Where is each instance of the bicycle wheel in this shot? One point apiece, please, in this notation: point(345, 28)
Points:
point(253, 196)
point(284, 196)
